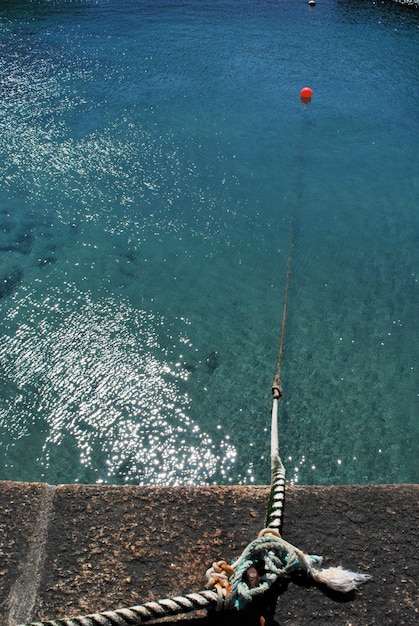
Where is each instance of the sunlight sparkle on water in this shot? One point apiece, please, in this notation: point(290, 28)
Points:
point(97, 379)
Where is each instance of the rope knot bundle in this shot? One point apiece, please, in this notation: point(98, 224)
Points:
point(272, 558)
point(218, 578)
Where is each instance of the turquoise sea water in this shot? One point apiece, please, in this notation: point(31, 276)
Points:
point(156, 165)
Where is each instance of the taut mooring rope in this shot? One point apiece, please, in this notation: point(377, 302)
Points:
point(277, 390)
point(277, 386)
point(277, 493)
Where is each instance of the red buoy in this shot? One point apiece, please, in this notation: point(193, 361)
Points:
point(306, 94)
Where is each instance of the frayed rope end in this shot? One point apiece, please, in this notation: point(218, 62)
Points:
point(336, 578)
point(339, 579)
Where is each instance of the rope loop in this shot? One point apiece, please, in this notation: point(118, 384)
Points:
point(218, 578)
point(265, 560)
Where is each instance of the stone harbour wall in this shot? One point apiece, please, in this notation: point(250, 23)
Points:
point(69, 550)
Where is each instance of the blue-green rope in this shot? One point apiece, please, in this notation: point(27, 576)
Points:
point(274, 557)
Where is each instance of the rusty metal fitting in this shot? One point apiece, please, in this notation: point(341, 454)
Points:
point(277, 388)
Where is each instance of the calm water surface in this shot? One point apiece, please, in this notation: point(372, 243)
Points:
point(156, 166)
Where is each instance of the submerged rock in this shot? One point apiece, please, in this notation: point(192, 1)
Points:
point(212, 361)
point(10, 278)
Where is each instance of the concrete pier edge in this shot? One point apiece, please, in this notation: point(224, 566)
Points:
point(69, 550)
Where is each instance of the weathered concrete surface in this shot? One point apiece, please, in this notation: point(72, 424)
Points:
point(71, 550)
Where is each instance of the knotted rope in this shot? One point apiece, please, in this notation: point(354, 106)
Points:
point(269, 557)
